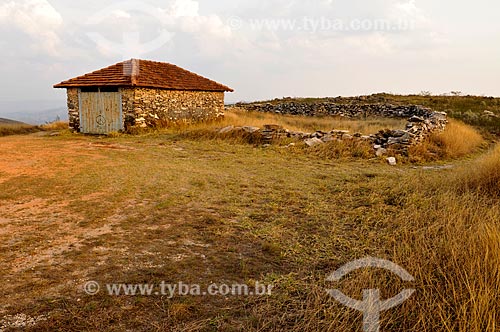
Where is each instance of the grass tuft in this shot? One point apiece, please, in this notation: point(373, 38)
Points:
point(343, 149)
point(483, 177)
point(17, 129)
point(457, 140)
point(57, 125)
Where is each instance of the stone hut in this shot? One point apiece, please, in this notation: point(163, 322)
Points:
point(140, 93)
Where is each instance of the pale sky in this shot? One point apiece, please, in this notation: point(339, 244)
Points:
point(261, 48)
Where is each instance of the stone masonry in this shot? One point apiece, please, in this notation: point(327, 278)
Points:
point(73, 109)
point(350, 110)
point(143, 107)
point(156, 106)
point(422, 122)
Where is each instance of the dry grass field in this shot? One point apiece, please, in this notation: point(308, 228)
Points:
point(238, 117)
point(7, 129)
point(181, 207)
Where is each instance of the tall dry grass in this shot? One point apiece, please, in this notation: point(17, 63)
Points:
point(22, 129)
point(17, 129)
point(451, 243)
point(239, 118)
point(446, 237)
point(342, 149)
point(457, 140)
point(483, 176)
point(56, 125)
point(451, 246)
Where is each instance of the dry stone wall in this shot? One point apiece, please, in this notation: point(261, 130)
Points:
point(151, 106)
point(354, 110)
point(128, 106)
point(422, 122)
point(73, 109)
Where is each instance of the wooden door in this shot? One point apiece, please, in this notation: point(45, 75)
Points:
point(100, 112)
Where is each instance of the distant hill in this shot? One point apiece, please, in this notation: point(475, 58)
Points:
point(13, 127)
point(39, 117)
point(10, 122)
point(34, 112)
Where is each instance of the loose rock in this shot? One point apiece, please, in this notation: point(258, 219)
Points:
point(422, 122)
point(381, 152)
point(226, 130)
point(313, 141)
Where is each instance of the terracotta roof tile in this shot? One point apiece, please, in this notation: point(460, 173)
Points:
point(147, 74)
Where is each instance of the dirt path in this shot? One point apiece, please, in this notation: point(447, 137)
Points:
point(31, 155)
point(37, 228)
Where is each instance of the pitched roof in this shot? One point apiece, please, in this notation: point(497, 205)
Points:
point(146, 74)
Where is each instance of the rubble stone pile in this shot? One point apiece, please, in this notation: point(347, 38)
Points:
point(422, 122)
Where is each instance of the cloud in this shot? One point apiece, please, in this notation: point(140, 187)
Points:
point(135, 28)
point(185, 8)
point(217, 39)
point(37, 19)
point(183, 16)
point(377, 27)
point(120, 14)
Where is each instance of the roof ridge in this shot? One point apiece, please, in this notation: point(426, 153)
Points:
point(95, 71)
point(200, 76)
point(145, 73)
